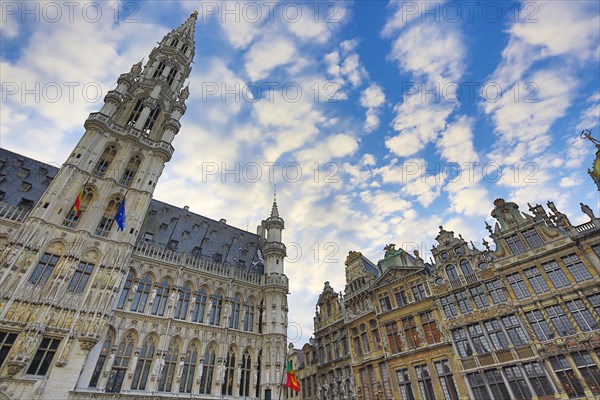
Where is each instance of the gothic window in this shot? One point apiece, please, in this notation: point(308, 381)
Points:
point(160, 301)
point(536, 280)
point(533, 239)
point(199, 306)
point(479, 297)
point(80, 277)
point(217, 306)
point(159, 69)
point(451, 272)
point(119, 368)
point(518, 286)
point(556, 274)
point(384, 377)
point(44, 269)
point(495, 290)
point(540, 326)
point(181, 309)
point(444, 374)
point(588, 369)
point(576, 268)
point(405, 384)
point(249, 315)
point(74, 216)
point(496, 383)
point(449, 306)
point(560, 321)
point(480, 342)
point(6, 342)
point(496, 335)
point(106, 346)
point(234, 318)
point(208, 371)
point(364, 338)
point(126, 289)
point(141, 296)
point(171, 361)
point(538, 379)
point(393, 338)
point(463, 302)
point(357, 346)
point(430, 329)
point(515, 245)
point(171, 76)
point(130, 170)
point(174, 42)
point(106, 222)
point(466, 268)
point(567, 377)
point(375, 332)
point(582, 315)
point(461, 342)
point(227, 387)
point(410, 332)
point(43, 357)
point(106, 158)
point(515, 330)
point(151, 120)
point(140, 377)
point(189, 369)
point(184, 48)
point(245, 375)
point(424, 379)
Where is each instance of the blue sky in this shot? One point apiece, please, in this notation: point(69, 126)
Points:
point(383, 99)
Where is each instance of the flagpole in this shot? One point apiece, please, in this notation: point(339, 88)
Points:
point(283, 376)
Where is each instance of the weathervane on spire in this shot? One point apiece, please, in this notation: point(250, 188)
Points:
point(595, 170)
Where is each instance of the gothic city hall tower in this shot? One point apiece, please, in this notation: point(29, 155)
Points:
point(106, 292)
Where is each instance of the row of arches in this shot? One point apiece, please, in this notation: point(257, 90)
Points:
point(162, 298)
point(189, 369)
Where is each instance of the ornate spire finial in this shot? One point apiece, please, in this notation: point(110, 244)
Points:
point(274, 210)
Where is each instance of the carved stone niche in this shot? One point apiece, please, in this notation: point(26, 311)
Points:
point(15, 365)
point(87, 342)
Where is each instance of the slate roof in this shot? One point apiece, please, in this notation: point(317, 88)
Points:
point(23, 181)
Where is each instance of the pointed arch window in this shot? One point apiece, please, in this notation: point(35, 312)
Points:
point(119, 368)
point(159, 69)
point(208, 371)
point(466, 268)
point(183, 303)
point(189, 369)
point(246, 366)
point(140, 376)
point(199, 306)
point(451, 272)
point(106, 158)
point(126, 289)
point(227, 386)
point(106, 222)
point(160, 301)
point(141, 294)
point(171, 361)
point(74, 216)
point(234, 318)
point(249, 316)
point(136, 112)
point(130, 170)
point(80, 277)
point(174, 42)
point(217, 306)
point(101, 360)
point(184, 48)
point(171, 76)
point(151, 120)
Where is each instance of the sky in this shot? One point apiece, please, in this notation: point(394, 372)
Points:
point(377, 121)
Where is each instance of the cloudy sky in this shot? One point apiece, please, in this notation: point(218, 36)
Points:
point(378, 121)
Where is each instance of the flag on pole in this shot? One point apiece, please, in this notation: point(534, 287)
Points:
point(292, 381)
point(77, 205)
point(120, 217)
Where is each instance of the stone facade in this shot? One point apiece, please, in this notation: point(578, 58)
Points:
point(173, 304)
point(518, 322)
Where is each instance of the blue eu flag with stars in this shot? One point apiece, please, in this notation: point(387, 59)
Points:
point(120, 217)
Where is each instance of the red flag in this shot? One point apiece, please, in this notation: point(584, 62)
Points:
point(77, 205)
point(292, 381)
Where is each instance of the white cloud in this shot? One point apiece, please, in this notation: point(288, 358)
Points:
point(372, 98)
point(267, 54)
